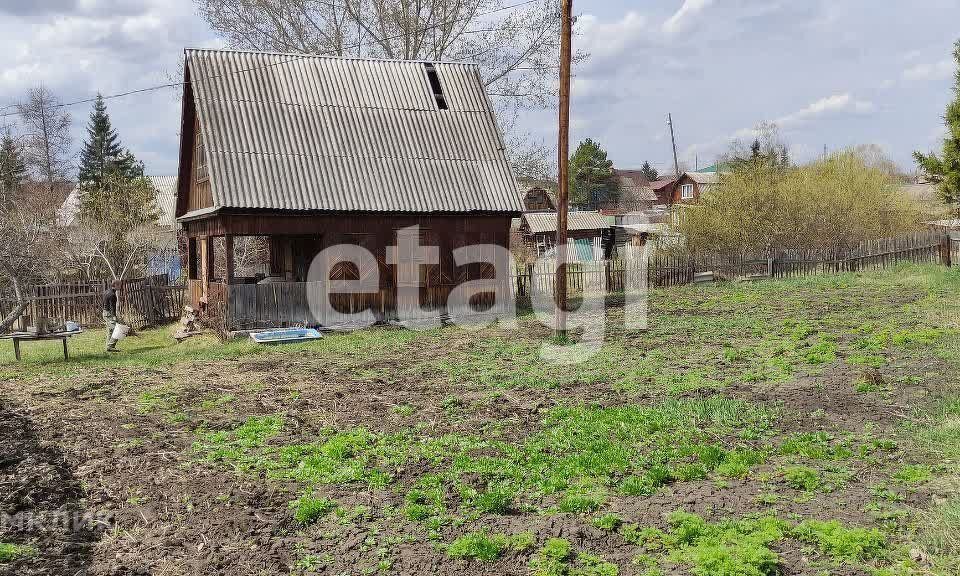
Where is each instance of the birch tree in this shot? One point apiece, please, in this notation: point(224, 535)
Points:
point(46, 130)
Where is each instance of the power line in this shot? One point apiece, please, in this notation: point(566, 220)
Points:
point(292, 59)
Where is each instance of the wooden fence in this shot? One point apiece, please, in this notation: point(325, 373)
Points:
point(153, 301)
point(252, 306)
point(142, 302)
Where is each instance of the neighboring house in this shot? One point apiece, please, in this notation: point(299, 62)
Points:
point(311, 152)
point(637, 228)
point(539, 199)
point(588, 232)
point(167, 259)
point(691, 185)
point(165, 187)
point(663, 190)
point(636, 193)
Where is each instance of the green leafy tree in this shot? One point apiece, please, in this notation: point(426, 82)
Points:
point(944, 169)
point(591, 174)
point(102, 153)
point(649, 172)
point(13, 168)
point(118, 225)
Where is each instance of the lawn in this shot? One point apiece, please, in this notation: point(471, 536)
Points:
point(806, 426)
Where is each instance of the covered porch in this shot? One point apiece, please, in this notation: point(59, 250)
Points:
point(253, 271)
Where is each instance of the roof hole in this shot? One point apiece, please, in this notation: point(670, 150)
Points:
point(436, 87)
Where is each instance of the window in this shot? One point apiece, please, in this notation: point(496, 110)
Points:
point(686, 192)
point(202, 172)
point(435, 85)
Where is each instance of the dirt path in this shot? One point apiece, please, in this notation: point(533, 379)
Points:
point(41, 503)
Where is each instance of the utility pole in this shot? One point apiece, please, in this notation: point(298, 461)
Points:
point(563, 150)
point(673, 140)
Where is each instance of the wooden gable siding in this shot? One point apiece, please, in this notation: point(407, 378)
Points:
point(677, 194)
point(191, 195)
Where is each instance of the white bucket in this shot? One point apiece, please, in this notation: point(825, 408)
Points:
point(71, 326)
point(120, 332)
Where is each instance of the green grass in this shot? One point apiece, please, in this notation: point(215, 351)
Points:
point(802, 478)
point(608, 522)
point(488, 547)
point(500, 432)
point(156, 348)
point(726, 548)
point(11, 552)
point(840, 542)
point(308, 510)
point(579, 455)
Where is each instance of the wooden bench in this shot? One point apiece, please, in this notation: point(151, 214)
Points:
point(19, 337)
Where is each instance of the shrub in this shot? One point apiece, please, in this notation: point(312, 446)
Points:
point(759, 206)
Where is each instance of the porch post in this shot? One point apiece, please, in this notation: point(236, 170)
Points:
point(206, 260)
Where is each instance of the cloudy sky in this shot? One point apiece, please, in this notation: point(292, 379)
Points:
point(830, 73)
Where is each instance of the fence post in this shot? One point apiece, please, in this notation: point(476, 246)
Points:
point(946, 250)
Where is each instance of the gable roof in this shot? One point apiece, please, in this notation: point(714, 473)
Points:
point(302, 132)
point(635, 182)
point(540, 222)
point(165, 187)
point(703, 177)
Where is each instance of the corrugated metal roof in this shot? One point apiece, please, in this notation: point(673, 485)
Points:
point(703, 177)
point(295, 132)
point(166, 189)
point(540, 222)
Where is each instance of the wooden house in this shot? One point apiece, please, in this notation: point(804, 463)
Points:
point(539, 199)
point(588, 232)
point(689, 187)
point(301, 153)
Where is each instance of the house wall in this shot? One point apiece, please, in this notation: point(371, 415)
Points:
point(676, 195)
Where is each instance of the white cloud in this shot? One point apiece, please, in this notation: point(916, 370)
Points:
point(690, 9)
point(831, 104)
point(604, 40)
point(927, 71)
point(80, 47)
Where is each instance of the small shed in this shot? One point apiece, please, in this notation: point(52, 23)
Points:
point(588, 232)
point(284, 155)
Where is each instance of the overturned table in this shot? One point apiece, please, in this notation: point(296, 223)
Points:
point(19, 337)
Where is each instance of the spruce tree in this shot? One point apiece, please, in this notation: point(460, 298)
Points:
point(101, 151)
point(13, 168)
point(591, 174)
point(944, 169)
point(649, 172)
